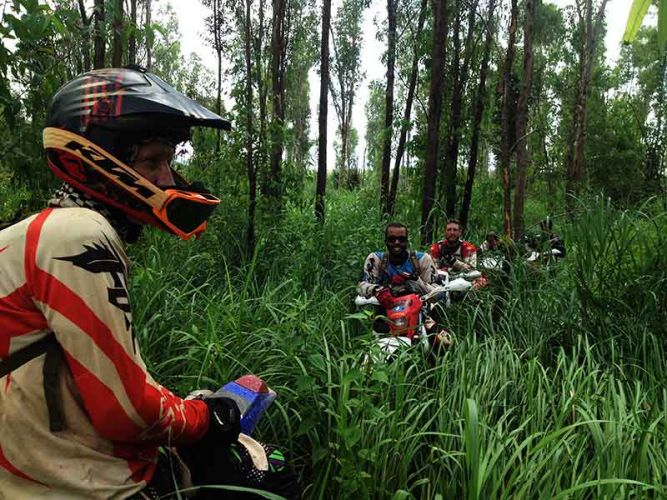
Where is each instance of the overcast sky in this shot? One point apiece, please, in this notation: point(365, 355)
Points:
point(191, 14)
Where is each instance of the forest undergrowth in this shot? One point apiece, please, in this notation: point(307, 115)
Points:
point(554, 388)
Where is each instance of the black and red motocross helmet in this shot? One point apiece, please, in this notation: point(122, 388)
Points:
point(94, 123)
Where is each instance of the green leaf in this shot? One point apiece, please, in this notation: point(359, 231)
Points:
point(350, 436)
point(635, 18)
point(380, 376)
point(58, 25)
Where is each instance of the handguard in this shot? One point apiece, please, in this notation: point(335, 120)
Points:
point(252, 396)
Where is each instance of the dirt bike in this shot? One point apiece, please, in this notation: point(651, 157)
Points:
point(544, 257)
point(408, 318)
point(244, 463)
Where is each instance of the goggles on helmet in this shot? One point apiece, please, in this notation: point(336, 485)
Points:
point(182, 211)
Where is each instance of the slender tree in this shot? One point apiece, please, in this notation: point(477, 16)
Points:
point(279, 33)
point(507, 119)
point(388, 105)
point(447, 169)
point(100, 44)
point(434, 110)
point(303, 54)
point(85, 36)
point(346, 68)
point(149, 35)
point(215, 24)
point(459, 77)
point(117, 50)
point(477, 118)
point(250, 167)
point(405, 124)
point(262, 69)
point(132, 43)
point(589, 27)
point(522, 153)
point(323, 113)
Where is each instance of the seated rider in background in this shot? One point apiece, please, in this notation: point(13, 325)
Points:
point(384, 271)
point(453, 253)
point(490, 244)
point(555, 241)
point(495, 246)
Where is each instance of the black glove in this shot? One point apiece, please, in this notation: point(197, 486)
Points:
point(400, 278)
point(449, 259)
point(224, 420)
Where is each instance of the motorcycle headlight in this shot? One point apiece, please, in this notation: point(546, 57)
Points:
point(400, 322)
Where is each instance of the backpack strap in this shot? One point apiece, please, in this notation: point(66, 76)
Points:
point(382, 271)
point(52, 363)
point(415, 262)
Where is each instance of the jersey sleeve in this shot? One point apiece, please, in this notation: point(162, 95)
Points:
point(435, 251)
point(471, 257)
point(77, 271)
point(426, 269)
point(370, 281)
point(426, 274)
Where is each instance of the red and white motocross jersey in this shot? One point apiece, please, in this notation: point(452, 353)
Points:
point(465, 254)
point(65, 270)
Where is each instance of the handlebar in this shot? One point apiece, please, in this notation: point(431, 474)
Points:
point(363, 301)
point(456, 285)
point(470, 275)
point(462, 283)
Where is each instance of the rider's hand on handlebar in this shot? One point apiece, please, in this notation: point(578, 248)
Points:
point(449, 259)
point(383, 295)
point(400, 278)
point(224, 423)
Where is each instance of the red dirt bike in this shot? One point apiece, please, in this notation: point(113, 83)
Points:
point(408, 318)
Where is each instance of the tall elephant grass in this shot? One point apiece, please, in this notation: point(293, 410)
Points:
point(554, 388)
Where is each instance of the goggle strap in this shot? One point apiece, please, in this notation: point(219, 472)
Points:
point(105, 164)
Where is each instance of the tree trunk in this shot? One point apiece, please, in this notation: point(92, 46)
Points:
point(448, 172)
point(477, 119)
point(655, 140)
point(117, 52)
point(405, 125)
point(323, 113)
point(263, 91)
point(507, 115)
point(460, 76)
point(388, 106)
point(99, 34)
point(85, 36)
point(149, 36)
point(250, 167)
point(217, 46)
point(132, 44)
point(278, 48)
point(434, 111)
point(576, 144)
point(522, 153)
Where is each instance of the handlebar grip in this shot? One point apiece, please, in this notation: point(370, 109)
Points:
point(363, 301)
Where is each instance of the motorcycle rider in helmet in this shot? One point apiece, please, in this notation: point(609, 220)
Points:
point(80, 415)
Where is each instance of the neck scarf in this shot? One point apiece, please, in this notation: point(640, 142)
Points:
point(67, 197)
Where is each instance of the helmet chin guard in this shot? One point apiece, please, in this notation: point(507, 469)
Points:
point(102, 176)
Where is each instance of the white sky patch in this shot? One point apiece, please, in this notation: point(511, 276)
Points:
point(191, 14)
